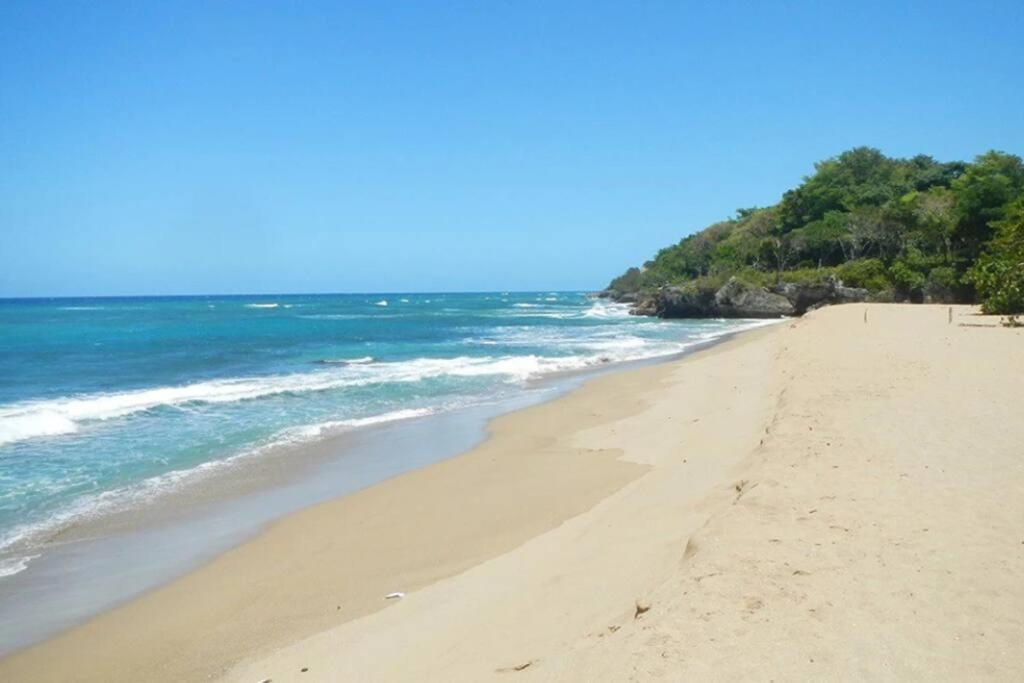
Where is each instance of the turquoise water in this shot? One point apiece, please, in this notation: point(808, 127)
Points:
point(107, 403)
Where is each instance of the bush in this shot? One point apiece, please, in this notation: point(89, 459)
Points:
point(708, 282)
point(941, 284)
point(807, 276)
point(868, 273)
point(998, 274)
point(754, 277)
point(907, 281)
point(1000, 283)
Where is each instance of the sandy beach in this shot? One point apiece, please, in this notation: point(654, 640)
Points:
point(836, 497)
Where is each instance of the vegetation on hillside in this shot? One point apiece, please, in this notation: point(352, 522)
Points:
point(905, 229)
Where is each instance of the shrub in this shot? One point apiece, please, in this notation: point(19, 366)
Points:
point(907, 281)
point(868, 273)
point(941, 284)
point(998, 274)
point(807, 276)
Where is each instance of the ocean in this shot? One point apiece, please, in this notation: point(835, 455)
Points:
point(107, 404)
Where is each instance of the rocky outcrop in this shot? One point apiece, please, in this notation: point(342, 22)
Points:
point(683, 302)
point(645, 304)
point(806, 297)
point(738, 300)
point(848, 295)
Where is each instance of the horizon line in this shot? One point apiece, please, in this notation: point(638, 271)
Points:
point(272, 294)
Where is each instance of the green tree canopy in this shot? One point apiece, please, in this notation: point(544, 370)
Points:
point(906, 229)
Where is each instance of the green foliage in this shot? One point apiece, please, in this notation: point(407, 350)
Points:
point(854, 178)
point(869, 273)
point(860, 177)
point(630, 281)
point(941, 284)
point(901, 228)
point(982, 194)
point(998, 273)
point(908, 281)
point(807, 276)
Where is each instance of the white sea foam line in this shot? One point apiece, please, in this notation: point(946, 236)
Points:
point(267, 305)
point(336, 316)
point(349, 361)
point(313, 431)
point(15, 565)
point(598, 309)
point(93, 505)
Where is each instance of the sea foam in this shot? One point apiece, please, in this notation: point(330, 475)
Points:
point(55, 417)
point(27, 536)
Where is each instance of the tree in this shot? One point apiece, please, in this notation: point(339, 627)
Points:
point(998, 274)
point(630, 281)
point(931, 219)
point(862, 176)
point(778, 250)
point(871, 231)
point(982, 195)
point(925, 172)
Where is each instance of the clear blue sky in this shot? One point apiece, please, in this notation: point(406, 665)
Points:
point(174, 147)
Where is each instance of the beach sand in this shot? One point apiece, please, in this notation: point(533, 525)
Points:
point(835, 497)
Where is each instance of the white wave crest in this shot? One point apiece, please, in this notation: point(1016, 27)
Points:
point(601, 309)
point(54, 417)
point(317, 430)
point(382, 302)
point(348, 361)
point(33, 423)
point(15, 565)
point(270, 305)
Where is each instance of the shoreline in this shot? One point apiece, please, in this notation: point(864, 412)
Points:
point(681, 517)
point(230, 504)
point(93, 568)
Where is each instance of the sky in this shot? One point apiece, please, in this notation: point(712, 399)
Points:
point(269, 147)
